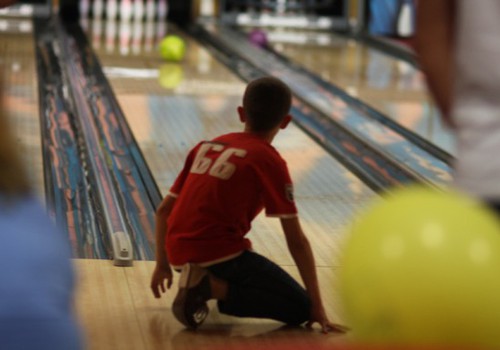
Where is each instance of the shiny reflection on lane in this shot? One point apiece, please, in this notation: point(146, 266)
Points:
point(392, 86)
point(329, 104)
point(197, 99)
point(19, 95)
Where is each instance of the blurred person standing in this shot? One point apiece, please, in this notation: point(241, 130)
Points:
point(36, 274)
point(458, 48)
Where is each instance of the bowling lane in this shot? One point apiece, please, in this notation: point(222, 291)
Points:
point(392, 86)
point(19, 94)
point(171, 106)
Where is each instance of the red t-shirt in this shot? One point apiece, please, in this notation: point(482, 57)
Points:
point(224, 184)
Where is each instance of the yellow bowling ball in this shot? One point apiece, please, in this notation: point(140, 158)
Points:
point(170, 75)
point(422, 268)
point(172, 48)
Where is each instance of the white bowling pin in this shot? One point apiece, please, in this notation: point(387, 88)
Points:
point(149, 35)
point(138, 10)
point(110, 35)
point(125, 10)
point(97, 8)
point(161, 31)
point(405, 20)
point(84, 7)
point(281, 7)
point(111, 9)
point(84, 23)
point(125, 34)
point(96, 33)
point(150, 10)
point(162, 10)
point(207, 8)
point(137, 38)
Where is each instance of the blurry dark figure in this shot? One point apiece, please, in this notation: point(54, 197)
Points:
point(36, 277)
point(458, 48)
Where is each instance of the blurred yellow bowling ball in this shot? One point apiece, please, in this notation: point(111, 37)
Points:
point(423, 268)
point(172, 48)
point(170, 75)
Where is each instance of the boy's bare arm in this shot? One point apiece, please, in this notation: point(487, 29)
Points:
point(162, 270)
point(434, 46)
point(302, 254)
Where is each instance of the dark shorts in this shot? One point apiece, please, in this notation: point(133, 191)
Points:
point(259, 288)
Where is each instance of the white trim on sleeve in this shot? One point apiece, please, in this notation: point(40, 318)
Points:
point(171, 194)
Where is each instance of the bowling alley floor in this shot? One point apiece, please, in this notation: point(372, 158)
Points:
point(19, 97)
point(169, 108)
point(117, 311)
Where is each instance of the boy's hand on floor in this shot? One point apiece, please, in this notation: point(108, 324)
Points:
point(161, 274)
point(318, 316)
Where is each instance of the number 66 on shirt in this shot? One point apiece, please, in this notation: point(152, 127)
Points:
point(221, 168)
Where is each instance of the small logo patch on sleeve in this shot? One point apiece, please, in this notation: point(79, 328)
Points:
point(289, 192)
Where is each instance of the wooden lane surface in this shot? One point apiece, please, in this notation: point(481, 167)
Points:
point(117, 311)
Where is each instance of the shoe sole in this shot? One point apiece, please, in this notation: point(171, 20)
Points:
point(189, 317)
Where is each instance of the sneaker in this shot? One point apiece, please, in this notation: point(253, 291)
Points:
point(190, 305)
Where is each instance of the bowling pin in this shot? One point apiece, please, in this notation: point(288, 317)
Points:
point(125, 10)
point(26, 27)
point(111, 9)
point(125, 34)
point(4, 25)
point(84, 23)
point(161, 31)
point(281, 7)
point(84, 7)
point(137, 37)
point(149, 35)
point(150, 10)
point(207, 8)
point(162, 10)
point(96, 33)
point(97, 9)
point(110, 35)
point(138, 10)
point(405, 20)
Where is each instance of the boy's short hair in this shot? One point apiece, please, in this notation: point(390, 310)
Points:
point(266, 102)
